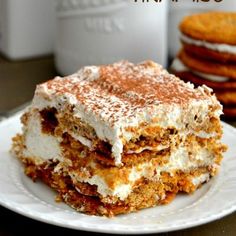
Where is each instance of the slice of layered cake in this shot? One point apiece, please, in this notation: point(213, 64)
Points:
point(118, 138)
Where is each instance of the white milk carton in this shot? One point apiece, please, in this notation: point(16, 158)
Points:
point(95, 32)
point(27, 28)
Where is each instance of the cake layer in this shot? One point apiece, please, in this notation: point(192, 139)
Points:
point(83, 166)
point(153, 140)
point(110, 104)
point(145, 138)
point(148, 193)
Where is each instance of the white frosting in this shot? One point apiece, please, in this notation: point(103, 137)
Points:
point(121, 191)
point(179, 160)
point(203, 134)
point(179, 66)
point(151, 148)
point(39, 145)
point(201, 179)
point(213, 46)
point(86, 142)
point(215, 78)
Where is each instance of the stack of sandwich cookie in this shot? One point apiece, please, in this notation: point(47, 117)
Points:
point(208, 55)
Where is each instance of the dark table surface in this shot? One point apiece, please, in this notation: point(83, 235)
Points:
point(17, 84)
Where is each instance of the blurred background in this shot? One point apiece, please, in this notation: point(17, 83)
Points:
point(41, 39)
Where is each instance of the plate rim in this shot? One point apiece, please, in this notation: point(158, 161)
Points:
point(216, 216)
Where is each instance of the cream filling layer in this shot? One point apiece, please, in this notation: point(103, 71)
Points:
point(213, 46)
point(40, 145)
point(149, 148)
point(201, 179)
point(88, 143)
point(179, 160)
point(179, 66)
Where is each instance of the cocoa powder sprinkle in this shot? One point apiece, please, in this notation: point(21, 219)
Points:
point(123, 89)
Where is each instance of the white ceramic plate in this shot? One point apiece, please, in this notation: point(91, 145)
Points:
point(35, 200)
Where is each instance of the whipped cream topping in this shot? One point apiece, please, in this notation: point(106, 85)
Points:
point(179, 66)
point(111, 98)
point(213, 46)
